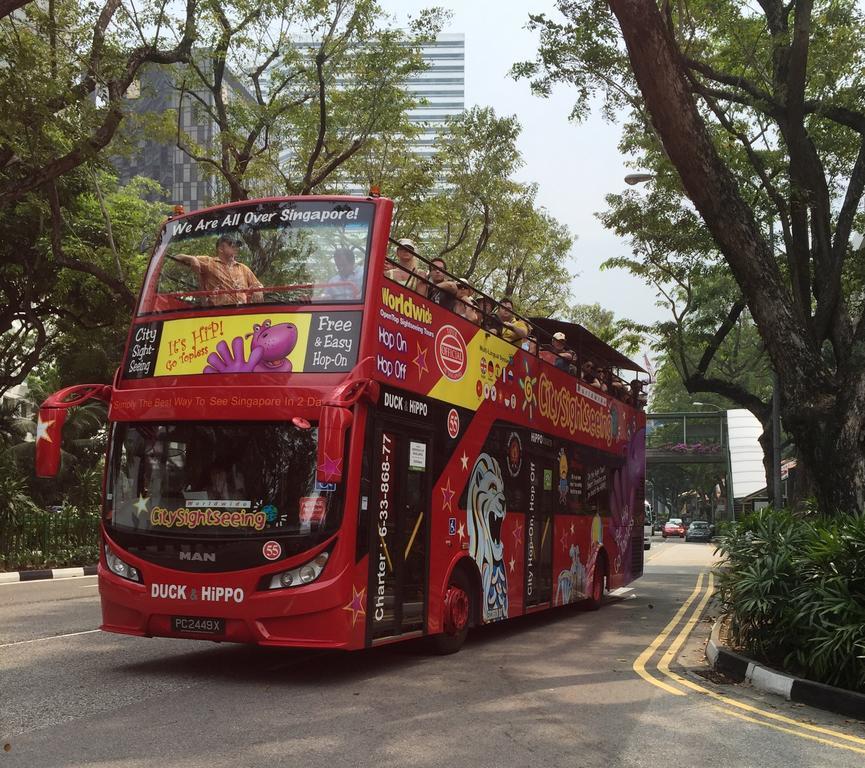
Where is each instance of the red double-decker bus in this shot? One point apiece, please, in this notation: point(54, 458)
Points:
point(307, 453)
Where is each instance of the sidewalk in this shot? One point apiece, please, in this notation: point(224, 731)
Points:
point(47, 573)
point(740, 668)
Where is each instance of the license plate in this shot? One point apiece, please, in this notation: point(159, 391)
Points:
point(197, 625)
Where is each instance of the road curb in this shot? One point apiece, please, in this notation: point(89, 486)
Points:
point(819, 695)
point(47, 573)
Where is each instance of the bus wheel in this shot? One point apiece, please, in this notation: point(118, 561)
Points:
point(598, 583)
point(457, 615)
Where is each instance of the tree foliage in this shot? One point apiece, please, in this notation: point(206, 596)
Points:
point(295, 89)
point(488, 227)
point(66, 68)
point(759, 118)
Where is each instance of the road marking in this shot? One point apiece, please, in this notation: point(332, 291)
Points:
point(640, 663)
point(792, 731)
point(673, 650)
point(50, 637)
point(798, 727)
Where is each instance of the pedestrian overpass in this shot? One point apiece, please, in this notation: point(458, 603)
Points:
point(688, 465)
point(706, 460)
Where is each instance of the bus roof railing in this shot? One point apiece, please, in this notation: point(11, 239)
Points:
point(580, 339)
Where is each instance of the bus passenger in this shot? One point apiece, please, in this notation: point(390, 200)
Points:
point(638, 396)
point(513, 329)
point(408, 274)
point(224, 272)
point(465, 303)
point(347, 281)
point(489, 319)
point(443, 290)
point(588, 374)
point(565, 357)
point(530, 345)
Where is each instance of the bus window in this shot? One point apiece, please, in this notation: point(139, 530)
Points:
point(218, 480)
point(263, 253)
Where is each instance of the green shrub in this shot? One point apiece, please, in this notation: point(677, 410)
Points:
point(794, 591)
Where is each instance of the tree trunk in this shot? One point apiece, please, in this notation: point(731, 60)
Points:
point(824, 417)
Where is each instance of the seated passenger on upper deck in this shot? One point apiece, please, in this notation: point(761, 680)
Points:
point(443, 290)
point(489, 320)
point(465, 303)
point(587, 371)
point(562, 357)
point(408, 274)
point(224, 273)
point(347, 281)
point(513, 329)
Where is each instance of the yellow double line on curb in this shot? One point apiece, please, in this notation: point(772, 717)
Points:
point(726, 704)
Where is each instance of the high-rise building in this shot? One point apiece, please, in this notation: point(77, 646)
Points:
point(441, 87)
point(154, 93)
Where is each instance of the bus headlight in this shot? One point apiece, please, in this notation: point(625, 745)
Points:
point(119, 568)
point(300, 576)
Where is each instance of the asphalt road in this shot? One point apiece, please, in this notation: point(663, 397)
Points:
point(621, 687)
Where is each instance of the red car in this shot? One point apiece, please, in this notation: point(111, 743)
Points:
point(674, 527)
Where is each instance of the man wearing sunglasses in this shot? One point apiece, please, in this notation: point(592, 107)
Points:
point(224, 274)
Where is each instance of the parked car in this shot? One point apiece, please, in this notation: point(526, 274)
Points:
point(699, 530)
point(674, 527)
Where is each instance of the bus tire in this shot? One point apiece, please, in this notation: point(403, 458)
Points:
point(599, 582)
point(456, 615)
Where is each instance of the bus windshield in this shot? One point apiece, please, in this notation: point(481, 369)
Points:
point(272, 252)
point(217, 481)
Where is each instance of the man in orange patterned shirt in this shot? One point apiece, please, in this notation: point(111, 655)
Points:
point(224, 272)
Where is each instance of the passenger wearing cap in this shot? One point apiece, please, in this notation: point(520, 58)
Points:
point(408, 274)
point(557, 354)
point(224, 272)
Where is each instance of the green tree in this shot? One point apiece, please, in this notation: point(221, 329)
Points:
point(621, 334)
point(66, 68)
point(762, 117)
point(488, 227)
point(67, 283)
point(289, 115)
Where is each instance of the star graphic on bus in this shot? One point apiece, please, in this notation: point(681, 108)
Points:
point(464, 460)
point(141, 506)
point(564, 540)
point(420, 360)
point(461, 531)
point(512, 563)
point(447, 495)
point(356, 606)
point(518, 535)
point(331, 467)
point(42, 428)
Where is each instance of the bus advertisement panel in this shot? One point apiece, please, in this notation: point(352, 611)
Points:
point(304, 452)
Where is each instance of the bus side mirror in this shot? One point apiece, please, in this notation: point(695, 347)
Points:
point(49, 429)
point(334, 423)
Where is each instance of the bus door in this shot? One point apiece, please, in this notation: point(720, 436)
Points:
point(539, 530)
point(399, 520)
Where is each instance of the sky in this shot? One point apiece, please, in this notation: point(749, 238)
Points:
point(575, 165)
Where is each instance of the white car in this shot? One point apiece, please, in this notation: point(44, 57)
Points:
point(647, 527)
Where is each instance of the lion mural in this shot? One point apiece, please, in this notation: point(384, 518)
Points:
point(485, 515)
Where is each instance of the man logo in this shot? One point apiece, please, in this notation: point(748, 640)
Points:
point(199, 557)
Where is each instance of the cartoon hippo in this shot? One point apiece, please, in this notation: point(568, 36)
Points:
point(276, 343)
